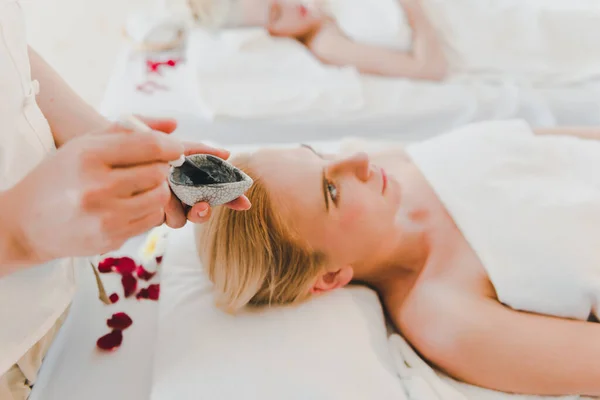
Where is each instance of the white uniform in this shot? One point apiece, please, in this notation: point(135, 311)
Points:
point(31, 301)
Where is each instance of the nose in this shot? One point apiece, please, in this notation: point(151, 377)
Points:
point(357, 164)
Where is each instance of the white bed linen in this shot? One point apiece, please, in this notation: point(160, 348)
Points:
point(465, 102)
point(296, 354)
point(182, 101)
point(547, 42)
point(74, 369)
point(246, 73)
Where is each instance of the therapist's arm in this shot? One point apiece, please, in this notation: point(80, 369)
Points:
point(12, 255)
point(583, 132)
point(67, 113)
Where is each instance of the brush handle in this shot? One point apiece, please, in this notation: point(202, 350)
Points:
point(133, 123)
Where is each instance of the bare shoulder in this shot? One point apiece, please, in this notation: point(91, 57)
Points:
point(433, 319)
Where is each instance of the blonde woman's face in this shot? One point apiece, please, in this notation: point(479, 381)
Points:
point(343, 207)
point(290, 18)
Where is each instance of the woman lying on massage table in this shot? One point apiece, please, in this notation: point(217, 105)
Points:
point(324, 38)
point(482, 243)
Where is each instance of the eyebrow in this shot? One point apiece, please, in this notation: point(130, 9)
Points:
point(324, 179)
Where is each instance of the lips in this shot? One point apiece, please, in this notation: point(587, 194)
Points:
point(384, 178)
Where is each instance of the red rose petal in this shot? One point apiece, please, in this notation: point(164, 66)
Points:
point(106, 265)
point(142, 294)
point(113, 298)
point(119, 321)
point(111, 340)
point(129, 284)
point(143, 274)
point(154, 291)
point(159, 259)
point(125, 266)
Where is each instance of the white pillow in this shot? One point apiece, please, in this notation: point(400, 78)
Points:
point(330, 348)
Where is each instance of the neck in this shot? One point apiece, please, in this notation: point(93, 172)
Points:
point(308, 36)
point(403, 260)
point(402, 263)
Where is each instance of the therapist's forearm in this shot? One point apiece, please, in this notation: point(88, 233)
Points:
point(67, 113)
point(13, 256)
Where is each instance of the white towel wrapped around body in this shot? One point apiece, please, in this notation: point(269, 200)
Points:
point(529, 205)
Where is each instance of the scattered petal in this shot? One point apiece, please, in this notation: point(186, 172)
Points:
point(143, 294)
point(119, 321)
point(106, 265)
point(114, 298)
point(129, 284)
point(154, 291)
point(159, 259)
point(125, 266)
point(111, 340)
point(143, 274)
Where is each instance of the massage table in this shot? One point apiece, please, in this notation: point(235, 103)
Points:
point(146, 84)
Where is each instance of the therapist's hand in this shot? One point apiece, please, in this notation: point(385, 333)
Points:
point(176, 213)
point(93, 194)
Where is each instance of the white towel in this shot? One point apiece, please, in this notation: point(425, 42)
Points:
point(249, 74)
point(544, 42)
point(375, 22)
point(529, 205)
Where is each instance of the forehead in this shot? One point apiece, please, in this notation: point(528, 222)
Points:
point(283, 170)
point(294, 179)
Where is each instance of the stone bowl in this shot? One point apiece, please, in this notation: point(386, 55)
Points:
point(228, 184)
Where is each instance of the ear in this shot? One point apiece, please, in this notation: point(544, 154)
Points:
point(332, 280)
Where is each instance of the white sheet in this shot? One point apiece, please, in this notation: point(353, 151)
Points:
point(411, 109)
point(248, 74)
point(75, 370)
point(279, 77)
point(296, 354)
point(543, 42)
point(545, 50)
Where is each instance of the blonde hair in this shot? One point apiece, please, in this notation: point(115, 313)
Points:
point(253, 257)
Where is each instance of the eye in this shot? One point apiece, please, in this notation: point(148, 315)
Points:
point(333, 191)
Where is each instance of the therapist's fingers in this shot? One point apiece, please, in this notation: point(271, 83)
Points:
point(165, 125)
point(200, 213)
point(127, 149)
point(134, 180)
point(199, 148)
point(242, 203)
point(175, 213)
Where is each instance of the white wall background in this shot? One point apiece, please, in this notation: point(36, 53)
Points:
point(80, 38)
